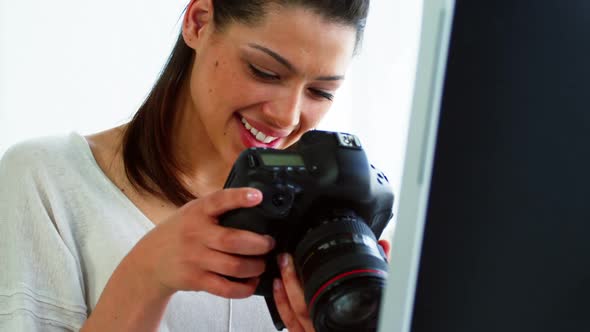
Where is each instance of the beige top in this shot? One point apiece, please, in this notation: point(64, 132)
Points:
point(64, 228)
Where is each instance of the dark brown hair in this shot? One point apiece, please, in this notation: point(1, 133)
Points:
point(147, 143)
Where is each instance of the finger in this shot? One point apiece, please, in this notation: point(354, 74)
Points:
point(237, 241)
point(225, 239)
point(231, 265)
point(221, 286)
point(225, 200)
point(386, 248)
point(284, 307)
point(294, 291)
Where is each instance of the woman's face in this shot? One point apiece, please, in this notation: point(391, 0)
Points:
point(264, 86)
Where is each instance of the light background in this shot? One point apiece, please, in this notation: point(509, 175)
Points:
point(85, 66)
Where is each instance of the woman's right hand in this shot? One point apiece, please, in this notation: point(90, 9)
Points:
point(191, 251)
point(188, 251)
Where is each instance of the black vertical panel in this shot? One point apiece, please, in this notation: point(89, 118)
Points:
point(507, 238)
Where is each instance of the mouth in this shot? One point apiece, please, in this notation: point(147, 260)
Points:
point(257, 134)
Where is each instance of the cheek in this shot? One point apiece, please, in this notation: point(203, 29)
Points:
point(234, 88)
point(247, 94)
point(222, 78)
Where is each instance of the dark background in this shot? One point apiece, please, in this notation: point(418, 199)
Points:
point(507, 238)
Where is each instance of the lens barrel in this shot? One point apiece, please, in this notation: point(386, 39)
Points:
point(343, 271)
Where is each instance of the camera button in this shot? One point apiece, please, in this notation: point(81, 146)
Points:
point(278, 200)
point(252, 161)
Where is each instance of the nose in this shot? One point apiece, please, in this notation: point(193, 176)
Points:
point(285, 111)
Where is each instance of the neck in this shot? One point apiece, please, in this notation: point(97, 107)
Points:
point(203, 168)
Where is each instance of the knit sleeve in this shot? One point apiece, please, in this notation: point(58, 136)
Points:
point(41, 284)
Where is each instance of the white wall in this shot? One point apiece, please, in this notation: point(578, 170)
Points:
point(376, 100)
point(87, 65)
point(78, 64)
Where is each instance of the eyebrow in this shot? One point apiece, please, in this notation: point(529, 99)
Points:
point(289, 65)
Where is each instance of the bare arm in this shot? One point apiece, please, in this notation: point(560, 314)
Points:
point(129, 302)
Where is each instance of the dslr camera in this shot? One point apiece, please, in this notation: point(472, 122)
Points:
point(326, 205)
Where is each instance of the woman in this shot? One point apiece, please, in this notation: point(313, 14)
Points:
point(118, 231)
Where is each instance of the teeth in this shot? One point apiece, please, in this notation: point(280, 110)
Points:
point(260, 136)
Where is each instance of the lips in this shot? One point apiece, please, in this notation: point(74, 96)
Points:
point(257, 133)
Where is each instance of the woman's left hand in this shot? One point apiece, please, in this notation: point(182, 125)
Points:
point(289, 298)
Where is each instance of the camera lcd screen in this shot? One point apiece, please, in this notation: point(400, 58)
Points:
point(281, 159)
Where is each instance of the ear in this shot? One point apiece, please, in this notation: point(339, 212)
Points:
point(197, 22)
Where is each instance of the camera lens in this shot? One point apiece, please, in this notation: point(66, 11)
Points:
point(353, 306)
point(343, 273)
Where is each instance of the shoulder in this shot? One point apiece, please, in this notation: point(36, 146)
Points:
point(35, 163)
point(44, 278)
point(41, 157)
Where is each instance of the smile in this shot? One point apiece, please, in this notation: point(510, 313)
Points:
point(260, 136)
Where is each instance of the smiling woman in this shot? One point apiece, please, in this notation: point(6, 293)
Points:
point(97, 223)
point(107, 233)
point(274, 74)
point(97, 75)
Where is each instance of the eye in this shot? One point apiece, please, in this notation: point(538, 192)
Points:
point(263, 74)
point(322, 94)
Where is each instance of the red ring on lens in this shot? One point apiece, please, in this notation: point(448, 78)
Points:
point(336, 278)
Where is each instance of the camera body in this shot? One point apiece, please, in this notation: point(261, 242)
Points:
point(322, 181)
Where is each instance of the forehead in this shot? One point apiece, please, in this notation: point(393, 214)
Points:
point(300, 35)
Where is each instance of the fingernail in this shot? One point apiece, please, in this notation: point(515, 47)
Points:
point(253, 195)
point(283, 261)
point(271, 241)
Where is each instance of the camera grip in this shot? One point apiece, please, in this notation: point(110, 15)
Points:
point(254, 220)
point(248, 219)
